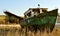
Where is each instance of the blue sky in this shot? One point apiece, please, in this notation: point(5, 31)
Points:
point(18, 7)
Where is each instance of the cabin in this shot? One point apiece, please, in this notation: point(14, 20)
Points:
point(12, 18)
point(34, 12)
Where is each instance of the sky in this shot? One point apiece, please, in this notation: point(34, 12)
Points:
point(18, 7)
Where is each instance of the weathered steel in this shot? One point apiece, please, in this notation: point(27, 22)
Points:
point(41, 22)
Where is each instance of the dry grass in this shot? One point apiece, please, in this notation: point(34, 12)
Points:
point(15, 30)
point(2, 19)
point(56, 32)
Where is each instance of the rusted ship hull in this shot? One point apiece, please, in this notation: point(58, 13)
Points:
point(41, 22)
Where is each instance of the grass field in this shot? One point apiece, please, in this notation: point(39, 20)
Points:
point(15, 30)
point(56, 32)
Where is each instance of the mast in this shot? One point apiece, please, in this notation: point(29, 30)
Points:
point(38, 5)
point(39, 8)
